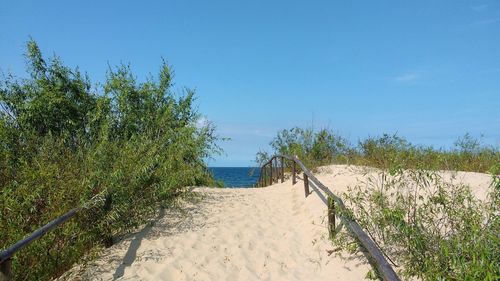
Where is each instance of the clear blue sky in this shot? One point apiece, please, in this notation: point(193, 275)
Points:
point(429, 70)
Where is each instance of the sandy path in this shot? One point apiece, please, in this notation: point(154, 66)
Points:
point(271, 233)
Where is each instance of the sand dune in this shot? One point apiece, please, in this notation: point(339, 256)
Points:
point(271, 233)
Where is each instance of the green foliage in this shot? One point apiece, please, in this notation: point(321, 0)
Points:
point(127, 150)
point(55, 99)
point(313, 148)
point(435, 229)
point(386, 152)
point(390, 151)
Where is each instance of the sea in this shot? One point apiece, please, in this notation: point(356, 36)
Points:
point(236, 177)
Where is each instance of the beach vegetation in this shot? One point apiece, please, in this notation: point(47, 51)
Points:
point(122, 149)
point(429, 227)
point(388, 151)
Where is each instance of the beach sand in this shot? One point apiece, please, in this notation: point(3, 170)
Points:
point(271, 233)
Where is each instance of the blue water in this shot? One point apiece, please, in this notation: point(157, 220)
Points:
point(236, 176)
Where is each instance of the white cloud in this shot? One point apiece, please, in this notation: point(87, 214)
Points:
point(406, 78)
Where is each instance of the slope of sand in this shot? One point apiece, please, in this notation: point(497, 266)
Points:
point(339, 177)
point(271, 233)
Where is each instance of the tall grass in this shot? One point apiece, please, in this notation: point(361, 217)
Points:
point(468, 154)
point(124, 149)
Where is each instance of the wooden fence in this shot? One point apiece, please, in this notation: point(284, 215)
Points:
point(273, 170)
point(6, 255)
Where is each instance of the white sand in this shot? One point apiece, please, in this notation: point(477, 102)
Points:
point(271, 233)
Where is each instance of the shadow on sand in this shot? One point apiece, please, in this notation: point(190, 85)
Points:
point(131, 253)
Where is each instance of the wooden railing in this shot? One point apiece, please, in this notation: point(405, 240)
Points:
point(273, 170)
point(6, 273)
point(6, 256)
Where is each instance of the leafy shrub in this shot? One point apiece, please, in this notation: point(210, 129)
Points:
point(127, 148)
point(313, 148)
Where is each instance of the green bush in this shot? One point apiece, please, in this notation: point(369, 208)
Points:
point(313, 148)
point(126, 147)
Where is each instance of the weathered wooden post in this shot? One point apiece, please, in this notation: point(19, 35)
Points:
point(264, 177)
point(282, 169)
point(306, 184)
point(271, 172)
point(276, 169)
point(331, 217)
point(6, 270)
point(294, 181)
point(259, 183)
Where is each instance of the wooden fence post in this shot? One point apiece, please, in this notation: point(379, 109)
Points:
point(260, 177)
point(276, 170)
point(294, 181)
point(264, 176)
point(331, 217)
point(282, 169)
point(6, 270)
point(264, 179)
point(269, 175)
point(271, 172)
point(306, 184)
point(273, 165)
